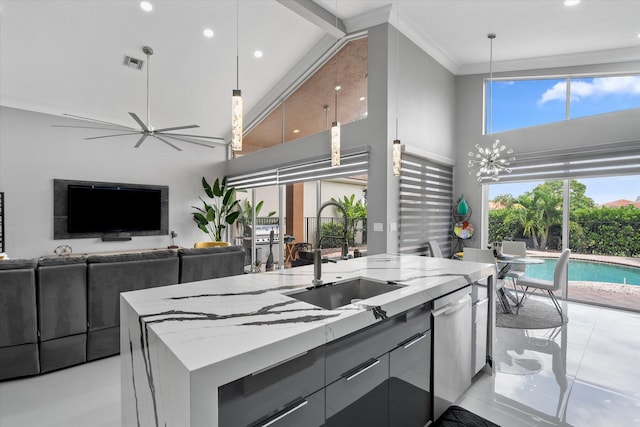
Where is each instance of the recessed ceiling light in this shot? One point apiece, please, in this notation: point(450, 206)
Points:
point(296, 131)
point(571, 2)
point(338, 87)
point(146, 6)
point(362, 98)
point(257, 54)
point(208, 33)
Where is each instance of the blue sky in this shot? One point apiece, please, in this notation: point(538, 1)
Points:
point(601, 190)
point(523, 103)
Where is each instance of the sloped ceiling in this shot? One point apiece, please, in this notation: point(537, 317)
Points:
point(65, 56)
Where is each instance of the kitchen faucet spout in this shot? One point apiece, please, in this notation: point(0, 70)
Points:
point(317, 254)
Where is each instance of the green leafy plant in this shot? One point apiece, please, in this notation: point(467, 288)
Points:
point(356, 215)
point(222, 209)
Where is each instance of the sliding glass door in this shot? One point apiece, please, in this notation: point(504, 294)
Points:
point(597, 218)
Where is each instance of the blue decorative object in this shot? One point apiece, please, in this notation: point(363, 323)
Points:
point(463, 207)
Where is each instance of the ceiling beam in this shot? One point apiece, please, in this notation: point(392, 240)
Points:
point(317, 15)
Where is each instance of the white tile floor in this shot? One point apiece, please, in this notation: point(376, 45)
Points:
point(588, 374)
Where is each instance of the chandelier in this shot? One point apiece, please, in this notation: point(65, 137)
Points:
point(489, 162)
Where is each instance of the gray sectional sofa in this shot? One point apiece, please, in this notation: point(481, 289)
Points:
point(62, 311)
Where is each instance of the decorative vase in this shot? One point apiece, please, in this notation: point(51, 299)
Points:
point(463, 207)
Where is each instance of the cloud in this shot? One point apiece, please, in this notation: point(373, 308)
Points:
point(597, 87)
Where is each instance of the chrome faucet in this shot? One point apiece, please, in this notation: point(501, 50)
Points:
point(317, 254)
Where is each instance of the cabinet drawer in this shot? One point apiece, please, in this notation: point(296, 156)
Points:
point(360, 397)
point(308, 412)
point(348, 352)
point(253, 397)
point(410, 383)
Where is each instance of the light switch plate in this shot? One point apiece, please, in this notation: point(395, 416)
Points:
point(378, 226)
point(393, 226)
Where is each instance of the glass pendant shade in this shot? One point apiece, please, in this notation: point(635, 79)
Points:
point(335, 144)
point(397, 157)
point(236, 120)
point(463, 207)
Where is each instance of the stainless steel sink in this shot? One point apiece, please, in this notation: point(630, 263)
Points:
point(338, 294)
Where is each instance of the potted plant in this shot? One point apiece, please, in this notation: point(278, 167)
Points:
point(214, 216)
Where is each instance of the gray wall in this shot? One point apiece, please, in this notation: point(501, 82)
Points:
point(426, 113)
point(576, 133)
point(33, 153)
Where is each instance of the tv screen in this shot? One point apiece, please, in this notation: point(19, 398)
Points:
point(113, 209)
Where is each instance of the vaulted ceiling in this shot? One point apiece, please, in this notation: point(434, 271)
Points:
point(66, 56)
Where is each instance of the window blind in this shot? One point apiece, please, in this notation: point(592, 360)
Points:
point(622, 158)
point(351, 163)
point(426, 195)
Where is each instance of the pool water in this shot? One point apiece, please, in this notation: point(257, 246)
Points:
point(587, 271)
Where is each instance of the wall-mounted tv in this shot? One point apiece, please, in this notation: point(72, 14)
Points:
point(98, 209)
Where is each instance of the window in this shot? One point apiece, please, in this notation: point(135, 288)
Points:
point(520, 103)
point(311, 107)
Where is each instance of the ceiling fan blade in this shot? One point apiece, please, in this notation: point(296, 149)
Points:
point(96, 120)
point(115, 134)
point(167, 142)
point(140, 122)
point(176, 128)
point(91, 127)
point(197, 136)
point(142, 138)
point(166, 135)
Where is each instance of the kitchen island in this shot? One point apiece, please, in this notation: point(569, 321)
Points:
point(180, 344)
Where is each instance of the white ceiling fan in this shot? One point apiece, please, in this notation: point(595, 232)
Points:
point(146, 130)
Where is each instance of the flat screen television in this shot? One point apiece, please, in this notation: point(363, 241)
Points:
point(94, 209)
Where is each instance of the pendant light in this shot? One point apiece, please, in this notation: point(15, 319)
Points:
point(335, 126)
point(236, 99)
point(487, 163)
point(396, 152)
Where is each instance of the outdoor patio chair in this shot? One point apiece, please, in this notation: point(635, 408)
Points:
point(560, 279)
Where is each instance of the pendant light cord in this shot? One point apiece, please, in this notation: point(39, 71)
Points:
point(491, 37)
point(148, 102)
point(397, 62)
point(237, 44)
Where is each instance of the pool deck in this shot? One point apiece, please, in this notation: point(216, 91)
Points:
point(611, 294)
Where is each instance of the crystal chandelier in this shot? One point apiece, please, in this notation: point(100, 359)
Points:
point(488, 162)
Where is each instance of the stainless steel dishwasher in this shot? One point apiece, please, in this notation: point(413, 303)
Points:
point(451, 348)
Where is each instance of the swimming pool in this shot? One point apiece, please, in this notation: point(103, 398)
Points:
point(587, 271)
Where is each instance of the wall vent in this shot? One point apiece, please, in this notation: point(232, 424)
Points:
point(133, 62)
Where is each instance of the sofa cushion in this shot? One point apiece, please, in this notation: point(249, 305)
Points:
point(62, 299)
point(18, 324)
point(63, 352)
point(18, 264)
point(106, 280)
point(210, 263)
point(61, 260)
point(133, 256)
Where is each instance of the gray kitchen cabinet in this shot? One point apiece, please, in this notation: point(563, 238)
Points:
point(360, 389)
point(288, 394)
point(360, 397)
point(378, 376)
point(410, 382)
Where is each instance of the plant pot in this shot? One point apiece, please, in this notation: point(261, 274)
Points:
point(210, 244)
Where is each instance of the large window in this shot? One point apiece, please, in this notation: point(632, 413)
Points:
point(311, 107)
point(520, 103)
point(601, 223)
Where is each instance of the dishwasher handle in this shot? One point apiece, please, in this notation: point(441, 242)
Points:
point(453, 307)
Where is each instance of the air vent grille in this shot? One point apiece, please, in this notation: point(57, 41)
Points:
point(133, 62)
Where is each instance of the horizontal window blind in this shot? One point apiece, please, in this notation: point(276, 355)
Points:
point(426, 194)
point(353, 163)
point(622, 158)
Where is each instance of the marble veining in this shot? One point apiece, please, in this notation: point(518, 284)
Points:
point(185, 341)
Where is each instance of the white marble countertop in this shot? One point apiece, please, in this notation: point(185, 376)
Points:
point(240, 324)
